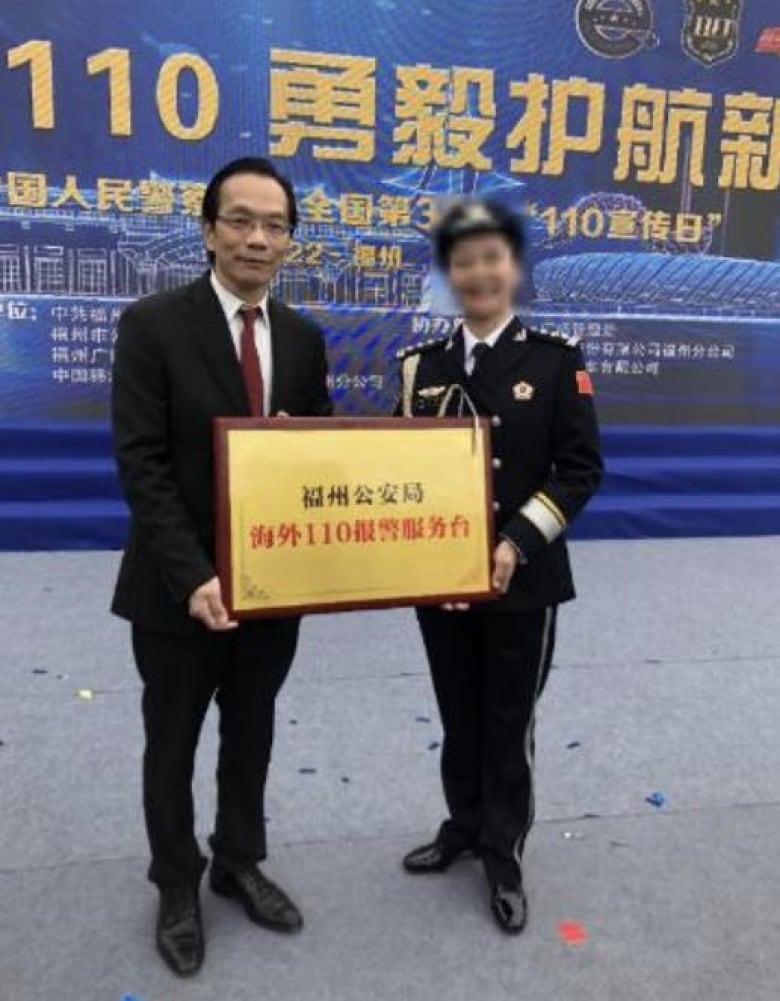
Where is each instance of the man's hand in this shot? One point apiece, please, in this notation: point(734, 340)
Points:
point(206, 606)
point(504, 566)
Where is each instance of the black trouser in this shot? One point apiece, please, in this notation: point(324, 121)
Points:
point(244, 669)
point(488, 670)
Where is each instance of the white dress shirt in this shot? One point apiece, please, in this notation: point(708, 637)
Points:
point(470, 342)
point(232, 306)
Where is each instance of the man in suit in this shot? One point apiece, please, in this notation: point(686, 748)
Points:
point(489, 663)
point(220, 346)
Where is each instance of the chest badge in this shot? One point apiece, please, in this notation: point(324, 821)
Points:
point(431, 392)
point(523, 392)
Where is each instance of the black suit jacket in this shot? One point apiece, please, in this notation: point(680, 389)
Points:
point(175, 370)
point(546, 451)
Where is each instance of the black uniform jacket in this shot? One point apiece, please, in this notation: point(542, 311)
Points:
point(546, 450)
point(176, 368)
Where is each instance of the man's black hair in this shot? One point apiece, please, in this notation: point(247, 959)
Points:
point(246, 165)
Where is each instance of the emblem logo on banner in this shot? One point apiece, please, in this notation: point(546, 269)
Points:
point(615, 29)
point(769, 41)
point(710, 31)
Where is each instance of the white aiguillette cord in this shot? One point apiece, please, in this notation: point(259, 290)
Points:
point(463, 399)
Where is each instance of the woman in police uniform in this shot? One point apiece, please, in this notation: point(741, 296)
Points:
point(489, 663)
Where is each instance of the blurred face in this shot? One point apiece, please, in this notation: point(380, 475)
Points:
point(251, 234)
point(484, 276)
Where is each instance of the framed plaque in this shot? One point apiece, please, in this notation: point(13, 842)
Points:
point(331, 514)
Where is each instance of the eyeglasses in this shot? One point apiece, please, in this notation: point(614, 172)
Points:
point(246, 224)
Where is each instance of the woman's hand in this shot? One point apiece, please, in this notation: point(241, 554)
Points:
point(504, 566)
point(505, 560)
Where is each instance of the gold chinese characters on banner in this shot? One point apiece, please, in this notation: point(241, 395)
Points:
point(317, 515)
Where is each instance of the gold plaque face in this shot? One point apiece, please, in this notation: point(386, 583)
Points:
point(332, 514)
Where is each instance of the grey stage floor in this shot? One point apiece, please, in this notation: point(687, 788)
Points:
point(668, 676)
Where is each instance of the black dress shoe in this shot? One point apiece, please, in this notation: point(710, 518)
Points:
point(263, 901)
point(180, 930)
point(510, 908)
point(435, 857)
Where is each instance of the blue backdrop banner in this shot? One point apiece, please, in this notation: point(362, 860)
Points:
point(641, 137)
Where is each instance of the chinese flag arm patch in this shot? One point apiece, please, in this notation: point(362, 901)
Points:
point(584, 383)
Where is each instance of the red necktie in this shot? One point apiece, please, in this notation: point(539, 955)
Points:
point(250, 362)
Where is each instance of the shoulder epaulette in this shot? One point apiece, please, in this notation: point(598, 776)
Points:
point(555, 337)
point(421, 347)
